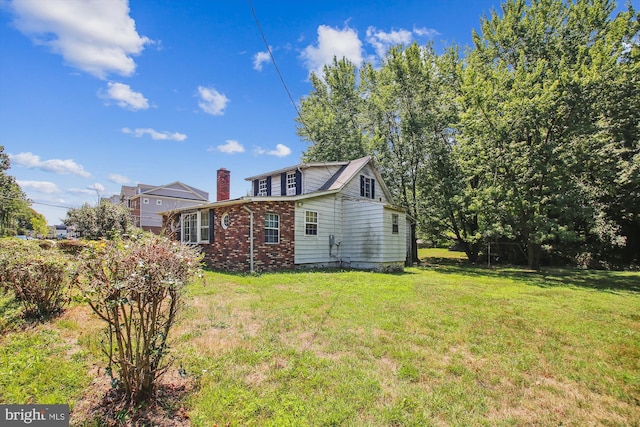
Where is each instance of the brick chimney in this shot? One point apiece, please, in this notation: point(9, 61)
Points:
point(223, 184)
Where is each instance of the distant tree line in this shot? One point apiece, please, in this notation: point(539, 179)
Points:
point(528, 139)
point(16, 214)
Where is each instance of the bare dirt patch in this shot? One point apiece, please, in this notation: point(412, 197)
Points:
point(106, 406)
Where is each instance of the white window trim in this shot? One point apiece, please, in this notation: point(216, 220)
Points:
point(228, 221)
point(272, 228)
point(317, 223)
point(291, 183)
point(395, 223)
point(145, 201)
point(198, 226)
point(262, 187)
point(159, 202)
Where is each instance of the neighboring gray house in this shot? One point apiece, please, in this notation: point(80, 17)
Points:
point(311, 215)
point(147, 201)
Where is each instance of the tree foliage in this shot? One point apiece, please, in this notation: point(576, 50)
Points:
point(531, 139)
point(532, 90)
point(13, 201)
point(106, 220)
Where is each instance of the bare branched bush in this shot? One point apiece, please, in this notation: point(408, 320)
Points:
point(136, 286)
point(39, 278)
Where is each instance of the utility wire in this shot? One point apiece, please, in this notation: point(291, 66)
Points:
point(273, 60)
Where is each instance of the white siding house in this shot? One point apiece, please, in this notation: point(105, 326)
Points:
point(335, 214)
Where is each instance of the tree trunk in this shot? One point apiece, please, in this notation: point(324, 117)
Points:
point(533, 255)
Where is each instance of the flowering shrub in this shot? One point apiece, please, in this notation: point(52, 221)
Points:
point(135, 286)
point(39, 278)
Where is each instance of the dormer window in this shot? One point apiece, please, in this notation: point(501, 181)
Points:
point(262, 187)
point(291, 183)
point(367, 187)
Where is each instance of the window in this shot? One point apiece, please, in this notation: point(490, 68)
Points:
point(159, 202)
point(225, 221)
point(145, 201)
point(291, 183)
point(204, 226)
point(394, 223)
point(190, 227)
point(195, 227)
point(271, 228)
point(367, 187)
point(262, 187)
point(311, 223)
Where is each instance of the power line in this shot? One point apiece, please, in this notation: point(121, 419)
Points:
point(273, 60)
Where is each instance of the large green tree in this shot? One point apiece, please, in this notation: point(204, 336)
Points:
point(13, 201)
point(330, 116)
point(531, 88)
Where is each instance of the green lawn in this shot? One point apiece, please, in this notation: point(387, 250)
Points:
point(443, 345)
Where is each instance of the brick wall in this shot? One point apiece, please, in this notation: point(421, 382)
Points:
point(230, 248)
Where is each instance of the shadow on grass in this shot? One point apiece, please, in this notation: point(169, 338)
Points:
point(611, 281)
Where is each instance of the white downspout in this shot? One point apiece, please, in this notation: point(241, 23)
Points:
point(250, 237)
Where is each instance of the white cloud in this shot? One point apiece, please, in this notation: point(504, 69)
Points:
point(32, 161)
point(125, 97)
point(426, 32)
point(95, 36)
point(39, 186)
point(90, 190)
point(259, 59)
point(280, 151)
point(231, 146)
point(382, 41)
point(154, 134)
point(332, 42)
point(117, 178)
point(211, 101)
point(97, 187)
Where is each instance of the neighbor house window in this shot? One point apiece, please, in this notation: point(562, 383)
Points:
point(262, 187)
point(271, 228)
point(145, 201)
point(311, 223)
point(158, 202)
point(367, 187)
point(291, 183)
point(204, 226)
point(394, 223)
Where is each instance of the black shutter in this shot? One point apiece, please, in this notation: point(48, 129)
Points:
point(283, 184)
point(268, 186)
point(298, 182)
point(211, 222)
point(255, 187)
point(361, 185)
point(373, 188)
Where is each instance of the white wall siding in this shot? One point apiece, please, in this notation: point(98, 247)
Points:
point(315, 249)
point(314, 178)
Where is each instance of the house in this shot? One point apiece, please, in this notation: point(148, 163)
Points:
point(147, 201)
point(311, 215)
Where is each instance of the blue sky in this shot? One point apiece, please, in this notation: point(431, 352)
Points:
point(95, 93)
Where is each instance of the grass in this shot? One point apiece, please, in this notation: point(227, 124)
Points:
point(442, 345)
